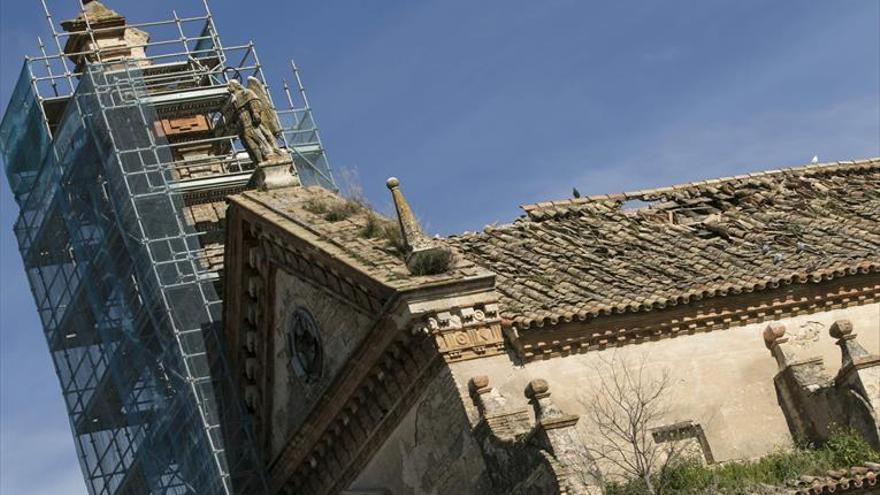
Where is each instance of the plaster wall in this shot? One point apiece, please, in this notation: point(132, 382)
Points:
point(431, 451)
point(871, 380)
point(342, 327)
point(722, 380)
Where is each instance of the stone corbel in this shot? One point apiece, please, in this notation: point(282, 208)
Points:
point(465, 333)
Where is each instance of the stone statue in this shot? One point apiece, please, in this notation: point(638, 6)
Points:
point(256, 123)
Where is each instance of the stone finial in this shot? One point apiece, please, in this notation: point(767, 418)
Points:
point(481, 384)
point(423, 255)
point(841, 329)
point(539, 388)
point(774, 337)
point(850, 349)
point(488, 400)
point(548, 415)
point(413, 237)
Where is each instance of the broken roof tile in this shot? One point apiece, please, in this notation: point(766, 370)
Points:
point(696, 240)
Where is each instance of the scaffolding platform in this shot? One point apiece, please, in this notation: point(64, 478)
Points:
point(120, 166)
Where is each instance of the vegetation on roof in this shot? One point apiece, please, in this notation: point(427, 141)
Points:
point(430, 262)
point(375, 226)
point(690, 477)
point(333, 210)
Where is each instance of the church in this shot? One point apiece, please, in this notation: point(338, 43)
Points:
point(222, 321)
point(377, 360)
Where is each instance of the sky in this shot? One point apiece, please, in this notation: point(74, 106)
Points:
point(479, 107)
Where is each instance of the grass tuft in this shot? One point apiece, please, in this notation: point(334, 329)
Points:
point(340, 210)
point(333, 210)
point(316, 206)
point(430, 262)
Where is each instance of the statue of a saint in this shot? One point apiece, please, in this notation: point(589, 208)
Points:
point(250, 113)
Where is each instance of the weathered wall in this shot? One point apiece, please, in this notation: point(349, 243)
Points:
point(722, 380)
point(342, 327)
point(870, 379)
point(431, 451)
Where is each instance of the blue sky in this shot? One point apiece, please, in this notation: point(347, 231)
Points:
point(481, 106)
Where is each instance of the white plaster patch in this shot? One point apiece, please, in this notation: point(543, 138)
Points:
point(806, 334)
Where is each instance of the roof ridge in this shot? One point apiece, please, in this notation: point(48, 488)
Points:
point(643, 193)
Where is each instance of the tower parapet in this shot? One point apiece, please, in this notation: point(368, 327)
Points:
point(118, 153)
point(99, 34)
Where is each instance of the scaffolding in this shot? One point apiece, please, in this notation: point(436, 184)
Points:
point(124, 271)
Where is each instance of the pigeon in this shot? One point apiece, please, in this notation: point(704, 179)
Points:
point(815, 159)
point(575, 192)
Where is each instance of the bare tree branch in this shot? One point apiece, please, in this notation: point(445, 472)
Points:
point(627, 402)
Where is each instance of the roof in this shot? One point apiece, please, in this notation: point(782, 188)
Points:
point(859, 479)
point(593, 256)
point(347, 231)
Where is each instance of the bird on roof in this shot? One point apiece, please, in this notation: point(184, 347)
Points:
point(815, 159)
point(575, 192)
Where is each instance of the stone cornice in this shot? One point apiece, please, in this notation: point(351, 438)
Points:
point(210, 195)
point(702, 316)
point(300, 257)
point(295, 237)
point(356, 413)
point(318, 274)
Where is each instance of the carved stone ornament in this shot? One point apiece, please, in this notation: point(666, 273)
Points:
point(465, 333)
point(304, 346)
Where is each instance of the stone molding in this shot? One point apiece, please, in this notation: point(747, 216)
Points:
point(857, 364)
point(464, 333)
point(210, 195)
point(308, 267)
point(707, 315)
point(362, 423)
